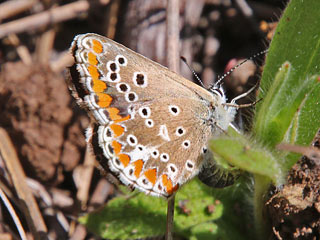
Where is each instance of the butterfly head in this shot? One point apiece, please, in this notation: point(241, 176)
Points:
point(222, 114)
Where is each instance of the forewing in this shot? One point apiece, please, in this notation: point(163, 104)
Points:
point(149, 121)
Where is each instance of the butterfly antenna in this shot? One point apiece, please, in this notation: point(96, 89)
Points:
point(193, 72)
point(238, 65)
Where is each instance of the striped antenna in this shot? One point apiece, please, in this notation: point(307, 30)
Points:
point(238, 65)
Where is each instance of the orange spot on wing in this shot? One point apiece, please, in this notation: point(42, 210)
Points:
point(104, 100)
point(151, 175)
point(98, 85)
point(93, 71)
point(124, 159)
point(117, 129)
point(116, 147)
point(114, 115)
point(123, 119)
point(92, 58)
point(167, 183)
point(97, 46)
point(138, 167)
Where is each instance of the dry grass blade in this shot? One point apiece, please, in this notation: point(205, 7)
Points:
point(28, 203)
point(13, 214)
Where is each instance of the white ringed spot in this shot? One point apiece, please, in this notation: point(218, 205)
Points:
point(121, 60)
point(186, 144)
point(145, 112)
point(109, 149)
point(123, 87)
point(113, 77)
point(189, 165)
point(107, 134)
point(172, 169)
point(163, 132)
point(131, 97)
point(174, 110)
point(117, 162)
point(132, 140)
point(180, 131)
point(112, 66)
point(164, 157)
point(129, 172)
point(155, 153)
point(144, 183)
point(140, 79)
point(149, 123)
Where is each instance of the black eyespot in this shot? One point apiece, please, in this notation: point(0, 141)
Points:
point(172, 169)
point(144, 181)
point(140, 79)
point(180, 131)
point(186, 144)
point(145, 112)
point(113, 76)
point(121, 60)
point(164, 156)
point(174, 109)
point(110, 148)
point(204, 150)
point(132, 140)
point(140, 148)
point(113, 67)
point(117, 161)
point(189, 165)
point(123, 87)
point(131, 97)
point(109, 133)
point(130, 171)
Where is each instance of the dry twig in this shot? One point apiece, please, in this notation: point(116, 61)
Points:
point(52, 16)
point(172, 27)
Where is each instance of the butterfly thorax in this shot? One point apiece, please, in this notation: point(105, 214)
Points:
point(221, 116)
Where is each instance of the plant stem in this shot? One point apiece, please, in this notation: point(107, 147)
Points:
point(170, 215)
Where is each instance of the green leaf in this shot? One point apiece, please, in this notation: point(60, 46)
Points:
point(295, 50)
point(246, 154)
point(290, 88)
point(199, 214)
point(141, 216)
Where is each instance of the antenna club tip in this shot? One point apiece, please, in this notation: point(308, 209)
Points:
point(183, 58)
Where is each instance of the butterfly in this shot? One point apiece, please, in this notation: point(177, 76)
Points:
point(150, 125)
